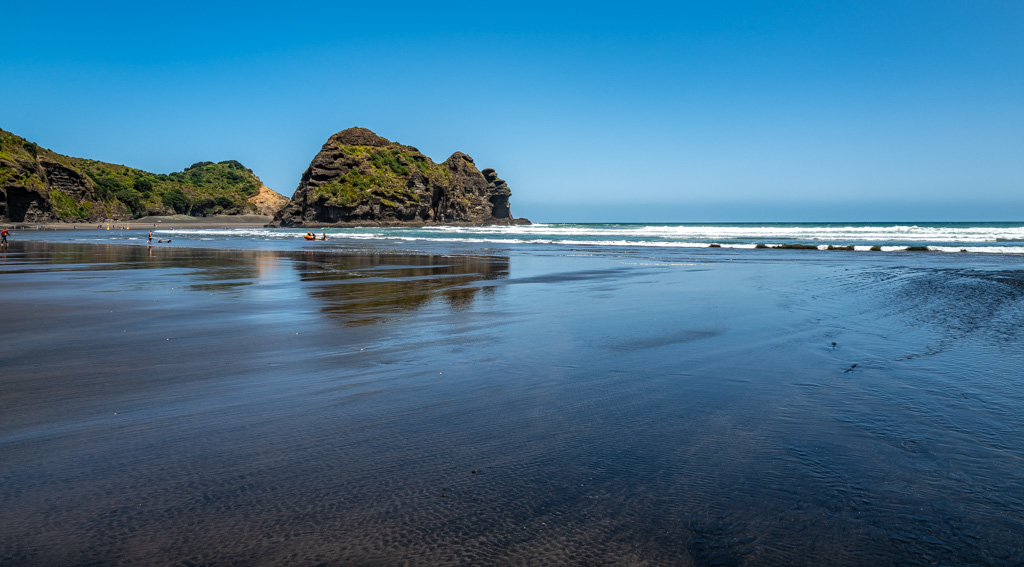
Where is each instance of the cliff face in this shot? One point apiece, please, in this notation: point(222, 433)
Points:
point(267, 202)
point(38, 185)
point(361, 178)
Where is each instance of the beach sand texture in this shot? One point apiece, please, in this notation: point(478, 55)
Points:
point(185, 406)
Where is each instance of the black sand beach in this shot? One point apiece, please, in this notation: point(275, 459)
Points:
point(185, 406)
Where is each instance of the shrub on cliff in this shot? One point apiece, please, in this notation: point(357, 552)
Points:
point(177, 200)
point(389, 160)
point(144, 186)
point(108, 187)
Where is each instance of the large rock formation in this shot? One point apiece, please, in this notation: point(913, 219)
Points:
point(38, 185)
point(361, 178)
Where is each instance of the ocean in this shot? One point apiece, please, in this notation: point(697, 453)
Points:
point(546, 395)
point(992, 237)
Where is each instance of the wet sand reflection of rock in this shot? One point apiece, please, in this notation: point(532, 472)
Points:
point(366, 289)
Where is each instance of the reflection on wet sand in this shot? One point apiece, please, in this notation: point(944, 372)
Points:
point(56, 256)
point(365, 289)
point(356, 288)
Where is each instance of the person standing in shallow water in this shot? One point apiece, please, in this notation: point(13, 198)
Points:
point(150, 239)
point(3, 237)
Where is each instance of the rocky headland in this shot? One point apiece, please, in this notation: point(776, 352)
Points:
point(360, 178)
point(40, 186)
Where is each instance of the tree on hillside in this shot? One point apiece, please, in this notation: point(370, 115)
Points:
point(177, 200)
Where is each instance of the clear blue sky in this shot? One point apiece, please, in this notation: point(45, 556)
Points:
point(633, 111)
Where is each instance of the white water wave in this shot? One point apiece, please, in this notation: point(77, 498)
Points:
point(997, 239)
point(825, 233)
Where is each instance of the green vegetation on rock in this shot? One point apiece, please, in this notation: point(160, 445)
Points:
point(59, 187)
point(177, 200)
point(391, 160)
point(356, 186)
point(202, 189)
point(360, 177)
point(376, 175)
point(66, 207)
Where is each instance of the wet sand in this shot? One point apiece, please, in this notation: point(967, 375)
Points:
point(185, 406)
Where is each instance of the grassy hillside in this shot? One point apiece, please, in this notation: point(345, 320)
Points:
point(70, 188)
point(202, 189)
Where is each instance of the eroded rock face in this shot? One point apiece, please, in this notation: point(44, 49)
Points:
point(499, 194)
point(359, 177)
point(25, 205)
point(63, 178)
point(33, 187)
point(23, 196)
point(267, 201)
point(359, 137)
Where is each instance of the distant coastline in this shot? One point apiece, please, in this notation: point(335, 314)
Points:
point(357, 179)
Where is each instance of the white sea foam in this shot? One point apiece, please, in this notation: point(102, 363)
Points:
point(994, 238)
point(236, 232)
point(830, 233)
